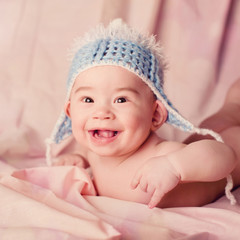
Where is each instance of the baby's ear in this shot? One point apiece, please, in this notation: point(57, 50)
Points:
point(67, 108)
point(159, 115)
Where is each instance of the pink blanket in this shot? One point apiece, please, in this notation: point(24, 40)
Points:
point(60, 203)
point(201, 42)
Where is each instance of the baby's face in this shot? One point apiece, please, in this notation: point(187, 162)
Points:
point(111, 110)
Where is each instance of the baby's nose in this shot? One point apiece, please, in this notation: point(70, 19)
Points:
point(103, 114)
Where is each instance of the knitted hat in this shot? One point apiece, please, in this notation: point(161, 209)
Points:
point(120, 45)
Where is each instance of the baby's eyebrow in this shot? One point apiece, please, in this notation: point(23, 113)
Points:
point(79, 89)
point(129, 90)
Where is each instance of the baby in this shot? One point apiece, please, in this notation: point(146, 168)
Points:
point(115, 103)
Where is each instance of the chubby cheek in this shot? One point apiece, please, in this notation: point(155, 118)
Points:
point(77, 128)
point(139, 123)
point(77, 133)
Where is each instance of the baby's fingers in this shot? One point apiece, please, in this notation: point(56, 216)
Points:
point(136, 180)
point(155, 199)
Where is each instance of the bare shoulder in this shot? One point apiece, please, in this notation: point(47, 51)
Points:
point(166, 147)
point(160, 146)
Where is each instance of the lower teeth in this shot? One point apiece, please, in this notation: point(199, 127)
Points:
point(99, 134)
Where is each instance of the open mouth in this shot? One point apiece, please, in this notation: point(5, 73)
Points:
point(104, 133)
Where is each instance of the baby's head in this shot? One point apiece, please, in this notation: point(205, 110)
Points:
point(121, 47)
point(112, 110)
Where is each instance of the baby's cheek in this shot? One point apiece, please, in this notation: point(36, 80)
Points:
point(134, 122)
point(77, 132)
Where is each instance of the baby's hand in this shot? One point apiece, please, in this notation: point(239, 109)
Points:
point(70, 159)
point(156, 177)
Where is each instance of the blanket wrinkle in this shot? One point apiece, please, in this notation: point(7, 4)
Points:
point(126, 218)
point(30, 233)
point(67, 182)
point(40, 195)
point(41, 216)
point(45, 185)
point(85, 186)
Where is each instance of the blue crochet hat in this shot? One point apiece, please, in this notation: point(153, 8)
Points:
point(120, 45)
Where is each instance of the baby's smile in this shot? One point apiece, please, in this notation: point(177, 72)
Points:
point(103, 135)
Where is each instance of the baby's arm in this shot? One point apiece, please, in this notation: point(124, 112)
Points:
point(202, 161)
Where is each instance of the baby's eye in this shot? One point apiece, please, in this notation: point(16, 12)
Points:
point(88, 100)
point(121, 100)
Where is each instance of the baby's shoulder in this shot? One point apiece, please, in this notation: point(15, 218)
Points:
point(165, 147)
point(159, 146)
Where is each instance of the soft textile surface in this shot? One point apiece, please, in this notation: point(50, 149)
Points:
point(47, 203)
point(201, 41)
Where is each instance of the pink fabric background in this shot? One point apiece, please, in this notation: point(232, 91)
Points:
point(201, 43)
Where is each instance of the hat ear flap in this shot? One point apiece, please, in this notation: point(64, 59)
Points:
point(159, 115)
